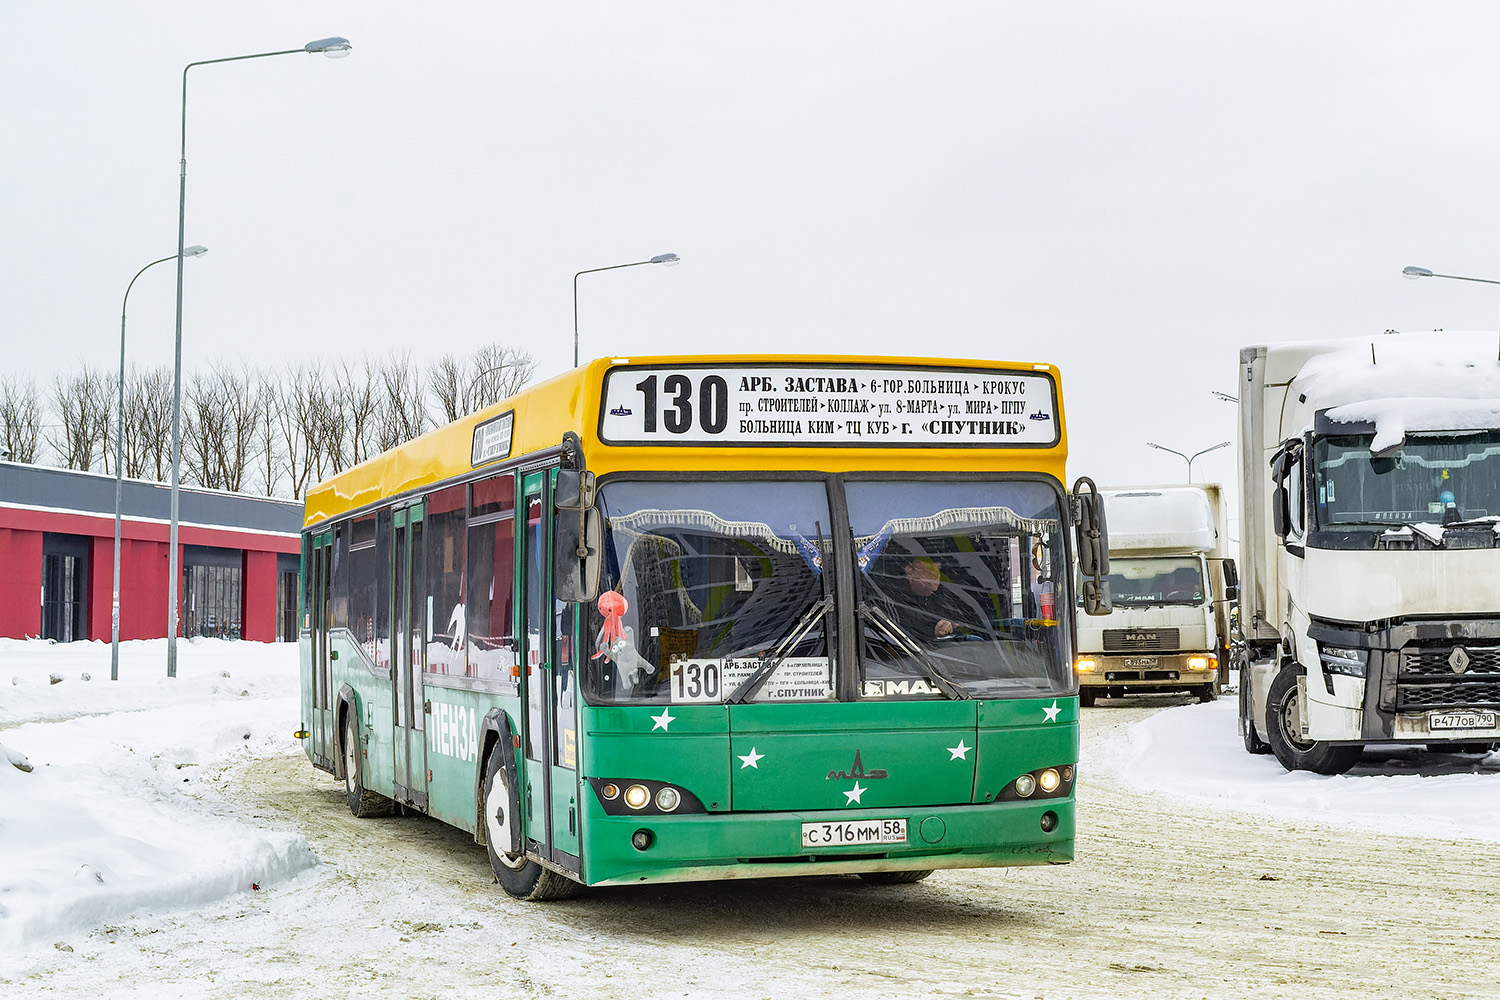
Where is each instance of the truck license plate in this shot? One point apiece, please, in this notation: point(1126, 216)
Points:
point(865, 831)
point(1461, 720)
point(1142, 661)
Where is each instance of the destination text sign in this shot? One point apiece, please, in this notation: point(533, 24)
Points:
point(823, 405)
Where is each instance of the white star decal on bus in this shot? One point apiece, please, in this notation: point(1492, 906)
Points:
point(751, 759)
point(665, 719)
point(959, 752)
point(1051, 711)
point(854, 794)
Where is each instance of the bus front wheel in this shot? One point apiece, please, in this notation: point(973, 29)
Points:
point(362, 802)
point(518, 875)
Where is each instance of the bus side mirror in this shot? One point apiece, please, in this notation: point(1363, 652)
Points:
point(1231, 581)
point(579, 536)
point(1093, 547)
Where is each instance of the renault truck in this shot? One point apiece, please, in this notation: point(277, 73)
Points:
point(1172, 584)
point(1369, 546)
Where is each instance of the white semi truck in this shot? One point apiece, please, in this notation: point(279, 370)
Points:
point(1369, 546)
point(1172, 584)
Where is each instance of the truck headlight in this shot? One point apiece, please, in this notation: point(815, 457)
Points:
point(1203, 663)
point(1085, 665)
point(1339, 660)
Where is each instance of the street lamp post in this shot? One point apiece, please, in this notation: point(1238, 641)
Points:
point(114, 615)
point(1422, 272)
point(668, 259)
point(1189, 458)
point(334, 48)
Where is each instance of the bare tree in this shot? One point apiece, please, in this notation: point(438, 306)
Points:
point(80, 401)
point(296, 423)
point(269, 400)
point(403, 413)
point(147, 426)
point(20, 417)
point(490, 374)
point(358, 394)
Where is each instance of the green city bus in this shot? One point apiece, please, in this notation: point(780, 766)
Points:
point(672, 618)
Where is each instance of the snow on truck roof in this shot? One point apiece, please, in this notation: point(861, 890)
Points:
point(1159, 518)
point(1395, 383)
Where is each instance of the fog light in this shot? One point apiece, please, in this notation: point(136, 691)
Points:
point(642, 839)
point(1025, 785)
point(1050, 779)
point(1049, 821)
point(636, 796)
point(668, 799)
point(1085, 665)
point(610, 790)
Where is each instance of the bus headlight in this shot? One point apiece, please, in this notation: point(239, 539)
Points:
point(1086, 665)
point(1025, 785)
point(1044, 783)
point(1340, 660)
point(668, 799)
point(1049, 780)
point(636, 796)
point(609, 791)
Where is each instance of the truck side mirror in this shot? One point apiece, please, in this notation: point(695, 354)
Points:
point(1281, 515)
point(576, 554)
point(1231, 581)
point(1093, 547)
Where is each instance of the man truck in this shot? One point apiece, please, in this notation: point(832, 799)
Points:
point(1173, 587)
point(1369, 546)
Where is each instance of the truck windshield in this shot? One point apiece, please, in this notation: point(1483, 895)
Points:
point(1434, 479)
point(1152, 582)
point(956, 589)
point(706, 584)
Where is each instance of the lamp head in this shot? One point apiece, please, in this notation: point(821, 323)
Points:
point(333, 48)
point(668, 259)
point(194, 251)
point(1416, 272)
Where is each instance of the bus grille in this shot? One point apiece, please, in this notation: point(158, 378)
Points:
point(1132, 639)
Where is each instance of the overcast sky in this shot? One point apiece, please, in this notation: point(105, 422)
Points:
point(1130, 191)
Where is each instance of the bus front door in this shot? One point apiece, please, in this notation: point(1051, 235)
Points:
point(409, 656)
point(550, 784)
point(319, 606)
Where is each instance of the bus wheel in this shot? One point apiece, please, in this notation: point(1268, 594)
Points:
point(1296, 752)
point(518, 875)
point(1086, 697)
point(1253, 743)
point(363, 803)
point(894, 878)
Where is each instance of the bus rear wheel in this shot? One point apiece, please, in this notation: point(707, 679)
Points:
point(1295, 751)
point(520, 876)
point(363, 803)
point(894, 878)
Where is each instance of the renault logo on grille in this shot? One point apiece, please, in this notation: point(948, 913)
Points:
point(1459, 659)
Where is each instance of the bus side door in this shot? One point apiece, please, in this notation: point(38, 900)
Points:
point(550, 784)
point(319, 597)
point(408, 655)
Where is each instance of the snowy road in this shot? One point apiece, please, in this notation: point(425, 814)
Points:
point(1169, 898)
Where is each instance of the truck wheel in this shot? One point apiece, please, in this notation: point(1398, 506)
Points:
point(1253, 743)
point(363, 803)
point(1295, 752)
point(518, 875)
point(1207, 693)
point(1086, 698)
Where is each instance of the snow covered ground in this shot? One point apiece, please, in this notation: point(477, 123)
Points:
point(110, 821)
point(118, 819)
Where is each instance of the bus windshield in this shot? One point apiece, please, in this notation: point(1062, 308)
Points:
point(1433, 479)
point(1153, 582)
point(712, 580)
point(958, 585)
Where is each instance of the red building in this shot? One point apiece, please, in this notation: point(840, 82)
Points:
point(239, 559)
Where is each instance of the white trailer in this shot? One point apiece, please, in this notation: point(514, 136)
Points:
point(1172, 585)
point(1369, 546)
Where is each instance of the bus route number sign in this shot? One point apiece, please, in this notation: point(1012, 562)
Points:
point(823, 405)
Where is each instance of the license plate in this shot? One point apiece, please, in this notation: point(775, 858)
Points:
point(1462, 720)
point(864, 831)
point(1142, 661)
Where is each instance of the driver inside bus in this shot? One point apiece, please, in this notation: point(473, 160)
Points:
point(927, 609)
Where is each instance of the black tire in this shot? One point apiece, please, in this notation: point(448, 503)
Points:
point(520, 876)
point(1253, 743)
point(1287, 742)
point(363, 803)
point(894, 878)
point(1086, 697)
point(1207, 692)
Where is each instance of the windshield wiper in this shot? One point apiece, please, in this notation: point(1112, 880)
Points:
point(903, 641)
point(777, 656)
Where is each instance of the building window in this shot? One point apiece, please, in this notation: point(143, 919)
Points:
point(65, 563)
point(212, 589)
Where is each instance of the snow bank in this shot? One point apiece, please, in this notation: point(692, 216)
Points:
point(109, 822)
point(1195, 752)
